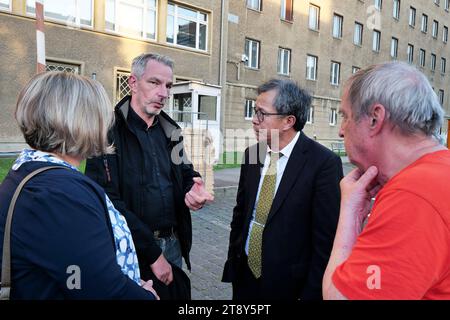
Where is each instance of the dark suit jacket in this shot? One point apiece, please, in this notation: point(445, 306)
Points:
point(299, 232)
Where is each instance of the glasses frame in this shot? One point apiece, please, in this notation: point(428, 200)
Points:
point(261, 114)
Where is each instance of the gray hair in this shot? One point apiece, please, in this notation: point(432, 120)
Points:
point(140, 63)
point(404, 91)
point(66, 114)
point(290, 99)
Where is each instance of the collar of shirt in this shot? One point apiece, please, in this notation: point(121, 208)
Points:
point(137, 122)
point(287, 150)
point(28, 155)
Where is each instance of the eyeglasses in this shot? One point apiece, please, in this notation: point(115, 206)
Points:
point(261, 114)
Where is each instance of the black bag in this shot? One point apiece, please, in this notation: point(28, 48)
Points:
point(178, 289)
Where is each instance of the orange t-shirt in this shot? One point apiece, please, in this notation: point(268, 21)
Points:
point(404, 250)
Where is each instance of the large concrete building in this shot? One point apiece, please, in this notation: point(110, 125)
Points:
point(223, 49)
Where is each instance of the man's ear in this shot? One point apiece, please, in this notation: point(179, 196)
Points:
point(132, 82)
point(377, 118)
point(290, 121)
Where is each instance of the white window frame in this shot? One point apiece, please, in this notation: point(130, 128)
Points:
point(443, 65)
point(376, 40)
point(446, 5)
point(441, 94)
point(283, 11)
point(9, 7)
point(396, 9)
point(314, 17)
point(355, 69)
point(338, 24)
point(435, 29)
point(311, 76)
point(358, 34)
point(197, 21)
point(412, 16)
point(254, 4)
point(335, 73)
point(121, 75)
point(422, 54)
point(281, 63)
point(445, 34)
point(394, 47)
point(378, 4)
point(144, 27)
point(249, 54)
point(410, 53)
point(332, 120)
point(424, 23)
point(433, 62)
point(310, 115)
point(249, 105)
point(32, 4)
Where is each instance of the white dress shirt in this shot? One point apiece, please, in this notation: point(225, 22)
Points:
point(281, 165)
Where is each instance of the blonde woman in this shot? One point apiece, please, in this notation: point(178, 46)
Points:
point(67, 240)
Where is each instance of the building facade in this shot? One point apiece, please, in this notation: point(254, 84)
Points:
point(223, 49)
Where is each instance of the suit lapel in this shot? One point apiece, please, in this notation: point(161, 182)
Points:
point(293, 168)
point(254, 175)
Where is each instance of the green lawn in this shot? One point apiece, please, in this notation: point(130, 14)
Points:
point(229, 160)
point(6, 163)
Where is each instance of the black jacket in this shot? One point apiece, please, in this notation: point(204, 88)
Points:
point(122, 175)
point(300, 229)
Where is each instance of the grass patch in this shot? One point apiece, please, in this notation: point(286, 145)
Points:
point(229, 160)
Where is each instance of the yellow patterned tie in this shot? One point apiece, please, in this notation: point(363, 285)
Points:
point(262, 211)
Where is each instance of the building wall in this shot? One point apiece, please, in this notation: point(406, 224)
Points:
point(272, 32)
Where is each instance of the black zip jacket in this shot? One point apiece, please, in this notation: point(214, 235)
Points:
point(122, 176)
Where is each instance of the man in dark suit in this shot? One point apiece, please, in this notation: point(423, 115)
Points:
point(287, 204)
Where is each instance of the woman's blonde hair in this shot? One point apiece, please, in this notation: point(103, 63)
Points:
point(66, 114)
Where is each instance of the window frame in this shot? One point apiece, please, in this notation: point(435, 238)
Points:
point(251, 8)
point(332, 120)
point(412, 17)
point(410, 53)
point(335, 73)
point(433, 60)
point(394, 45)
point(288, 13)
point(317, 17)
point(337, 33)
point(249, 54)
point(396, 9)
point(249, 103)
point(310, 115)
point(443, 65)
point(445, 34)
point(424, 23)
point(435, 29)
point(315, 67)
point(357, 24)
point(378, 38)
point(281, 63)
point(422, 55)
point(9, 9)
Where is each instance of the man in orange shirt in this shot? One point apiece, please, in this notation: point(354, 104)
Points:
point(391, 118)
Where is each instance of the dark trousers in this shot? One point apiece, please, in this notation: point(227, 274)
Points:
point(246, 286)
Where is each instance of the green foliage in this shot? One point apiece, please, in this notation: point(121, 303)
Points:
point(229, 160)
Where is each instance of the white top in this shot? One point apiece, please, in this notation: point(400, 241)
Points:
point(281, 165)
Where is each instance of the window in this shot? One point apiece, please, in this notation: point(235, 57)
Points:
point(443, 65)
point(355, 69)
point(254, 4)
point(410, 53)
point(446, 5)
point(376, 40)
point(396, 9)
point(121, 86)
point(337, 26)
point(358, 34)
point(433, 62)
point(249, 105)
point(441, 97)
point(52, 65)
point(333, 117)
point(284, 60)
point(135, 19)
point(286, 10)
point(72, 12)
point(252, 52)
point(5, 5)
point(435, 29)
point(436, 2)
point(378, 4)
point(207, 108)
point(422, 57)
point(445, 34)
point(335, 73)
point(394, 48)
point(412, 16)
point(182, 107)
point(314, 16)
point(311, 67)
point(424, 27)
point(310, 115)
point(186, 27)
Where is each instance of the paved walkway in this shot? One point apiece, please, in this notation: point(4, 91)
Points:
point(211, 229)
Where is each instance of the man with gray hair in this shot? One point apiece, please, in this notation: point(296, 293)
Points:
point(147, 178)
point(391, 118)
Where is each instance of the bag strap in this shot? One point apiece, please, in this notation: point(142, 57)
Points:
point(5, 285)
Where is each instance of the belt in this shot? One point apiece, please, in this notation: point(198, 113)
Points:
point(164, 233)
